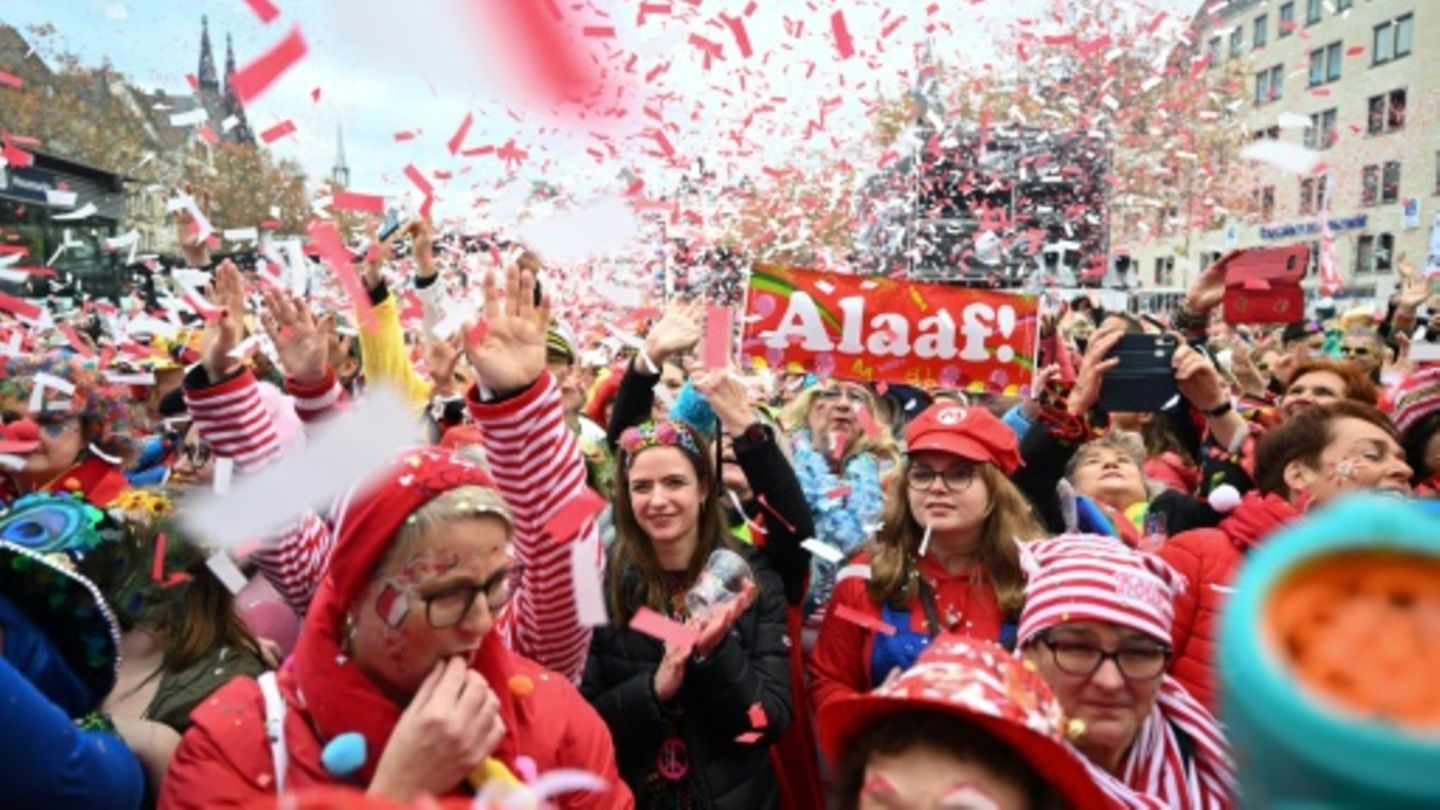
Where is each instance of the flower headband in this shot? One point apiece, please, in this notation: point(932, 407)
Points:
point(664, 433)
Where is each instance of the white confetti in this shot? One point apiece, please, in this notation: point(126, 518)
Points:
point(225, 570)
point(824, 551)
point(57, 197)
point(83, 212)
point(1287, 157)
point(585, 578)
point(189, 119)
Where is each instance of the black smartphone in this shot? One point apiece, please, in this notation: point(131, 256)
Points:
point(1144, 380)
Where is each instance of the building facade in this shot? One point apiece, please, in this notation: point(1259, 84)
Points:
point(1359, 82)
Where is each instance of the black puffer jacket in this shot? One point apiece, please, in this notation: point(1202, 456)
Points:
point(751, 665)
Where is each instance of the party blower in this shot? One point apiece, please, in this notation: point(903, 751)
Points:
point(1329, 660)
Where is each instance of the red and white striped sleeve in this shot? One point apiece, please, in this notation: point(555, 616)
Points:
point(538, 468)
point(313, 402)
point(232, 418)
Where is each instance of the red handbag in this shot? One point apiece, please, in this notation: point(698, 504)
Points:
point(1263, 286)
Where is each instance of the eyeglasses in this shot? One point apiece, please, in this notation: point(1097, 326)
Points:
point(954, 479)
point(449, 607)
point(852, 394)
point(1084, 660)
point(1355, 351)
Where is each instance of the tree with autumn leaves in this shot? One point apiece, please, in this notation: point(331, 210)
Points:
point(94, 115)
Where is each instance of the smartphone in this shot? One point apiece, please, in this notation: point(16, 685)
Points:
point(390, 226)
point(1144, 380)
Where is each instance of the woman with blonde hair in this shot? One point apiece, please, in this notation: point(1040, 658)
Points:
point(947, 559)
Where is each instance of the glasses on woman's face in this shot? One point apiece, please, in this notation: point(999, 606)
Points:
point(448, 608)
point(1355, 351)
point(956, 478)
point(1137, 662)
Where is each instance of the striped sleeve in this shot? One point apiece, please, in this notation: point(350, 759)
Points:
point(313, 402)
point(538, 468)
point(294, 562)
point(233, 419)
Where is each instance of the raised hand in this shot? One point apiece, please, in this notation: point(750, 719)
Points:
point(227, 331)
point(442, 359)
point(678, 331)
point(671, 672)
point(192, 247)
point(714, 627)
point(1197, 378)
point(727, 397)
point(1208, 289)
point(1414, 288)
point(510, 355)
point(422, 245)
point(301, 341)
point(1086, 391)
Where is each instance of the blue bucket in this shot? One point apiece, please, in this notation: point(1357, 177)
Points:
point(1293, 750)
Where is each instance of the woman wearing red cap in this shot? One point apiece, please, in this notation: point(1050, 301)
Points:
point(946, 560)
point(402, 680)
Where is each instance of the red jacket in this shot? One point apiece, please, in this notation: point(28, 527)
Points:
point(224, 759)
point(841, 662)
point(1209, 559)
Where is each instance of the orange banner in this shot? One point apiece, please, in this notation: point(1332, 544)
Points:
point(872, 328)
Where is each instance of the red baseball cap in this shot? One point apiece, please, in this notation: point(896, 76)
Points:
point(967, 432)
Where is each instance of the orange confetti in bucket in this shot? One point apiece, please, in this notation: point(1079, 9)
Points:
point(1362, 630)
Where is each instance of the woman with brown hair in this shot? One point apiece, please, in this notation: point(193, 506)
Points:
point(947, 559)
point(692, 719)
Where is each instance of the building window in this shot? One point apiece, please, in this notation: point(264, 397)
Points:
point(1261, 33)
point(1267, 203)
point(1262, 87)
point(1321, 132)
point(1237, 42)
point(1387, 113)
point(1369, 185)
point(1312, 11)
point(1313, 266)
point(1165, 271)
point(1287, 21)
point(1390, 182)
point(1437, 172)
point(1393, 39)
point(1307, 195)
point(1214, 53)
point(1384, 253)
point(1364, 254)
point(1343, 5)
point(1325, 64)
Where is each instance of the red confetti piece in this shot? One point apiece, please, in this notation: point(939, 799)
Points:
point(19, 308)
point(1355, 50)
point(757, 716)
point(663, 629)
point(839, 492)
point(74, 340)
point(426, 189)
point(11, 80)
point(193, 82)
point(568, 520)
point(326, 239)
point(855, 617)
point(315, 95)
point(264, 10)
point(404, 135)
point(458, 139)
point(351, 201)
point(776, 514)
point(737, 30)
point(599, 31)
point(14, 155)
point(716, 355)
point(280, 130)
point(157, 564)
point(843, 43)
point(253, 79)
point(207, 132)
point(749, 738)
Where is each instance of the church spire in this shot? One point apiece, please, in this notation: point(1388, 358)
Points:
point(206, 72)
point(340, 174)
point(240, 133)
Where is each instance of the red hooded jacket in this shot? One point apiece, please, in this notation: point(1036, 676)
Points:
point(1209, 559)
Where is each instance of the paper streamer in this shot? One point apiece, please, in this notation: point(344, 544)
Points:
point(1287, 157)
point(346, 448)
point(585, 578)
point(224, 474)
point(189, 118)
point(83, 212)
point(225, 570)
point(257, 76)
point(824, 551)
point(666, 630)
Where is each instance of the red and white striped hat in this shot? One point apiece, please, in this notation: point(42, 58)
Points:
point(1415, 397)
point(1089, 577)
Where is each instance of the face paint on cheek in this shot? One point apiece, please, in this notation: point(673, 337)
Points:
point(880, 787)
point(1342, 472)
point(968, 796)
point(392, 605)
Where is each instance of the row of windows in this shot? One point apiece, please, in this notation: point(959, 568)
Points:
point(1379, 185)
point(1385, 114)
point(1374, 253)
point(1391, 40)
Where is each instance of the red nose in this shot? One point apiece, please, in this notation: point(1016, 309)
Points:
point(22, 430)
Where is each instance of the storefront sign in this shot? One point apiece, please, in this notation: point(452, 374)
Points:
point(27, 184)
point(1311, 228)
point(871, 328)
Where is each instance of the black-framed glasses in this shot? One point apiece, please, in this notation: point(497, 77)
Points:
point(1083, 660)
point(449, 607)
point(956, 478)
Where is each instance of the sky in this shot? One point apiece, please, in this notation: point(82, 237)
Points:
point(386, 66)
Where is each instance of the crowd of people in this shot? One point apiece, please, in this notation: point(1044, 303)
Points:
point(945, 598)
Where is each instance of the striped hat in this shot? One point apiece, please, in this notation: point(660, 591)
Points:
point(1087, 577)
point(1415, 397)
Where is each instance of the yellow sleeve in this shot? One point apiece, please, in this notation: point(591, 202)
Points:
point(384, 358)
